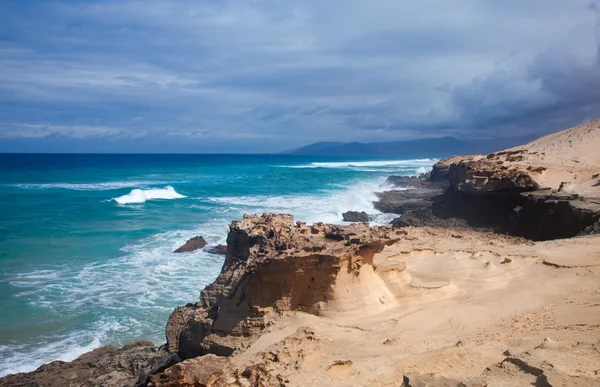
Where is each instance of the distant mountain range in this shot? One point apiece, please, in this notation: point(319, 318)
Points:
point(442, 146)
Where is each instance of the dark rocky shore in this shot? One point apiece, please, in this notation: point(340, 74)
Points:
point(474, 193)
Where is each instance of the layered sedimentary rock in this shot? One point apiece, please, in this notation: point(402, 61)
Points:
point(272, 265)
point(547, 189)
point(412, 307)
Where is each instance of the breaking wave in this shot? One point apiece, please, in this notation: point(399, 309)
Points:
point(142, 195)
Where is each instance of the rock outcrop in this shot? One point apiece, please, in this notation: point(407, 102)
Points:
point(507, 191)
point(355, 216)
point(106, 366)
point(272, 265)
point(266, 369)
point(544, 190)
point(192, 244)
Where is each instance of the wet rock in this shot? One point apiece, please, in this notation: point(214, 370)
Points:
point(355, 216)
point(421, 182)
point(217, 250)
point(192, 244)
point(106, 366)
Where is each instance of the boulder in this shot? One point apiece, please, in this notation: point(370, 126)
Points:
point(192, 244)
point(355, 216)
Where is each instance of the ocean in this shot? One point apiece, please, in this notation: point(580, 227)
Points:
point(86, 241)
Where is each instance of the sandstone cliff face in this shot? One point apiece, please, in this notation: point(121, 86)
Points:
point(548, 189)
point(272, 265)
point(490, 174)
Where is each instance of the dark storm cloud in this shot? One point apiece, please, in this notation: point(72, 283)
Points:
point(265, 75)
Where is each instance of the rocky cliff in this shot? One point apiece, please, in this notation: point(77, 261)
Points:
point(272, 265)
point(548, 189)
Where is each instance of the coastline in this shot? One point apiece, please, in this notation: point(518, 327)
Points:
point(78, 295)
point(442, 300)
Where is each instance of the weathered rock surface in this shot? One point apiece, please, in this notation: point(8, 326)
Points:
point(503, 191)
point(491, 174)
point(439, 172)
point(272, 265)
point(526, 191)
point(355, 216)
point(105, 366)
point(266, 369)
point(192, 244)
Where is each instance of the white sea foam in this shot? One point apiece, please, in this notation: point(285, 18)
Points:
point(421, 170)
point(136, 292)
point(368, 164)
point(326, 207)
point(104, 186)
point(142, 195)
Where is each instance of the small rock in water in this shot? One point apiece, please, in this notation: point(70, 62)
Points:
point(192, 244)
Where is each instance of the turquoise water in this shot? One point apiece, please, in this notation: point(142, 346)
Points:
point(86, 241)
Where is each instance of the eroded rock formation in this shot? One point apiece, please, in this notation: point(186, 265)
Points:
point(272, 265)
point(544, 190)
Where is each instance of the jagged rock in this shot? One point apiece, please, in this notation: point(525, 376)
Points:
point(355, 216)
point(269, 369)
point(218, 250)
point(482, 175)
point(272, 265)
point(192, 244)
point(106, 366)
point(439, 172)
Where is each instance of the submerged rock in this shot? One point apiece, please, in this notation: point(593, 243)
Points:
point(355, 216)
point(192, 244)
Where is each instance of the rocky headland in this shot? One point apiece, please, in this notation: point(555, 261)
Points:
point(489, 276)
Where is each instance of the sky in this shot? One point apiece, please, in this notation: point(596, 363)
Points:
point(256, 76)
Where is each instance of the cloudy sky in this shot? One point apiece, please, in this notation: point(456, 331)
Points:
point(266, 75)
